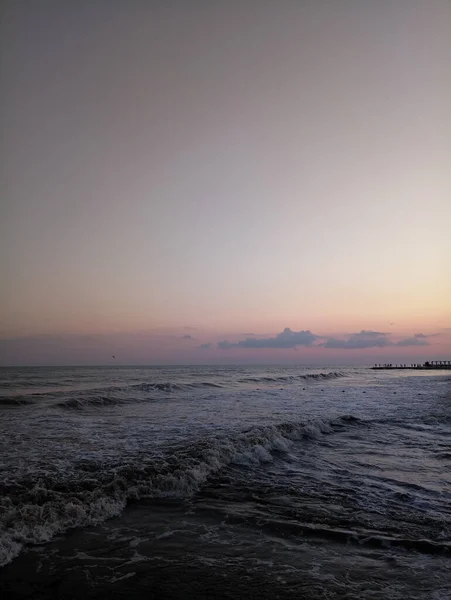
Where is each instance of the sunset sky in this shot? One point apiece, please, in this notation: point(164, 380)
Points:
point(225, 182)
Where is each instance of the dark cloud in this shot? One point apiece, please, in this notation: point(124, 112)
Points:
point(286, 339)
point(205, 346)
point(418, 339)
point(225, 345)
point(359, 341)
point(424, 335)
point(352, 341)
point(187, 337)
point(371, 334)
point(374, 339)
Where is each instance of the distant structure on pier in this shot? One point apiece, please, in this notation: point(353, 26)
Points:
point(429, 364)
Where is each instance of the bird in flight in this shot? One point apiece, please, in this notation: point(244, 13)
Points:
point(113, 357)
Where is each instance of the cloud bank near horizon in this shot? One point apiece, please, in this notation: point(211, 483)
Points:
point(158, 347)
point(286, 339)
point(355, 341)
point(359, 341)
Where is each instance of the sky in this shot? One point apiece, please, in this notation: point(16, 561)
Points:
point(224, 182)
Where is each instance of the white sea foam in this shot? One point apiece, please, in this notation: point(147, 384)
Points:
point(9, 547)
point(61, 505)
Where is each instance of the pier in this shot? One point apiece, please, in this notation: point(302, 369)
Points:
point(429, 365)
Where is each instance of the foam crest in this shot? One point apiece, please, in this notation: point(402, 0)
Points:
point(295, 378)
point(174, 387)
point(34, 511)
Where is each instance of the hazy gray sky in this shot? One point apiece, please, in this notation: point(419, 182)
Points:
point(242, 166)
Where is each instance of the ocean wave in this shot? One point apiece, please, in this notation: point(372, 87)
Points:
point(372, 539)
point(16, 400)
point(293, 378)
point(87, 401)
point(117, 397)
point(34, 510)
point(106, 395)
point(111, 395)
point(174, 387)
point(443, 455)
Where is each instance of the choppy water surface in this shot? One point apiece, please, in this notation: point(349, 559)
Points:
point(322, 482)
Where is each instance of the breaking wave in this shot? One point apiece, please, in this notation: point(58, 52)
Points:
point(105, 396)
point(293, 378)
point(112, 395)
point(35, 509)
point(83, 402)
point(174, 387)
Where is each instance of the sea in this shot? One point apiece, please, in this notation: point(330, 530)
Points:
point(225, 482)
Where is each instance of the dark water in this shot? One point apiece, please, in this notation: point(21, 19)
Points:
point(225, 482)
